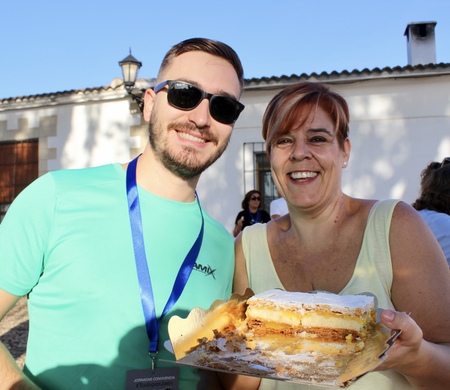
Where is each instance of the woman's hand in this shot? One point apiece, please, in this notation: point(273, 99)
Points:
point(423, 363)
point(406, 348)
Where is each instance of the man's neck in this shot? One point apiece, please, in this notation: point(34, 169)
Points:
point(154, 177)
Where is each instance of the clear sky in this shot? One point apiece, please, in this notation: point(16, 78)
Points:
point(57, 45)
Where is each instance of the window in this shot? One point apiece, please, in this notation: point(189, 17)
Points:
point(257, 173)
point(18, 168)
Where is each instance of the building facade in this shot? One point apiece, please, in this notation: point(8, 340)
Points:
point(400, 121)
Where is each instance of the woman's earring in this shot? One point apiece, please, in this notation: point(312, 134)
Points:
point(344, 165)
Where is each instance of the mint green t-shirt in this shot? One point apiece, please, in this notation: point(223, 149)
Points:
point(66, 241)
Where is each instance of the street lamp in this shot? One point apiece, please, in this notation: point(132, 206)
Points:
point(130, 67)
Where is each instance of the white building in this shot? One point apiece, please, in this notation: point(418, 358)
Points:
point(400, 121)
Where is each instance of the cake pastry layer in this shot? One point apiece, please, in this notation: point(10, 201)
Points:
point(319, 316)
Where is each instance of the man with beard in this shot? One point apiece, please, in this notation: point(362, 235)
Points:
point(107, 255)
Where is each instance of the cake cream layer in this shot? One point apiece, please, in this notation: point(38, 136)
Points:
point(277, 318)
point(278, 309)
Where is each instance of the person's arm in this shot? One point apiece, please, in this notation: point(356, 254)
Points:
point(421, 287)
point(238, 226)
point(12, 376)
point(423, 363)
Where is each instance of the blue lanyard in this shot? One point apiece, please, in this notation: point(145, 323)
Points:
point(148, 303)
point(251, 216)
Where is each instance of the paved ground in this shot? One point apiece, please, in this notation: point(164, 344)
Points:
point(14, 331)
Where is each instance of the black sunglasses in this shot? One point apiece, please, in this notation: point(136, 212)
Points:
point(185, 96)
point(255, 198)
point(445, 161)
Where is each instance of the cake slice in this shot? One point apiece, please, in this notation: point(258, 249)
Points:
point(314, 338)
point(319, 316)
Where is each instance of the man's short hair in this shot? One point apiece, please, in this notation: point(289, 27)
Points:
point(215, 48)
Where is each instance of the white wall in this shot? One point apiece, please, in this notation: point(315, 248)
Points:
point(398, 125)
point(92, 134)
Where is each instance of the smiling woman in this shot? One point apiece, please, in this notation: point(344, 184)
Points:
point(284, 113)
point(332, 242)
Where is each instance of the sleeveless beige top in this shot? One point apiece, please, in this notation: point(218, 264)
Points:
point(372, 273)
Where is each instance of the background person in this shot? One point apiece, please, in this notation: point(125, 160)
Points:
point(251, 213)
point(333, 242)
point(97, 249)
point(433, 203)
point(278, 208)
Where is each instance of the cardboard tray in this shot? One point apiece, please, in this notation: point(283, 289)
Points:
point(303, 367)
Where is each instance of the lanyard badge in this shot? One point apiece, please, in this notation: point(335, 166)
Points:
point(147, 298)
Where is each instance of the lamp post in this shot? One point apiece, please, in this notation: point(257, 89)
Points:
point(130, 67)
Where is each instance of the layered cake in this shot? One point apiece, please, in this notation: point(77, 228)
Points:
point(336, 321)
point(302, 337)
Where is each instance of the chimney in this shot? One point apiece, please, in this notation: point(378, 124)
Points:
point(421, 44)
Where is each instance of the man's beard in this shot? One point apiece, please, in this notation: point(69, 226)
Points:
point(184, 164)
